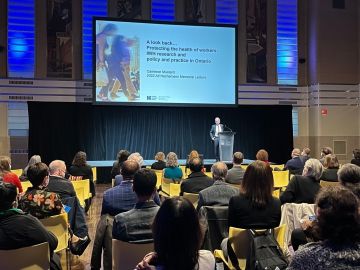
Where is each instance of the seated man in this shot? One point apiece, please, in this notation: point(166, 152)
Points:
point(133, 157)
point(18, 230)
point(196, 180)
point(135, 224)
point(220, 192)
point(57, 182)
point(295, 165)
point(236, 174)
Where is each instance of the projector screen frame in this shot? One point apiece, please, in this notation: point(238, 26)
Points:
point(160, 104)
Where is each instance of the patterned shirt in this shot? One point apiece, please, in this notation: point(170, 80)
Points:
point(40, 203)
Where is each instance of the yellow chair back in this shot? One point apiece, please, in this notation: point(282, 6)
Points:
point(35, 257)
point(159, 176)
point(324, 183)
point(192, 197)
point(183, 169)
point(94, 171)
point(209, 174)
point(82, 189)
point(279, 166)
point(25, 185)
point(18, 172)
point(58, 225)
point(281, 178)
point(174, 189)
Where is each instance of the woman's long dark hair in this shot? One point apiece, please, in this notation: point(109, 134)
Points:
point(79, 159)
point(177, 235)
point(258, 183)
point(122, 155)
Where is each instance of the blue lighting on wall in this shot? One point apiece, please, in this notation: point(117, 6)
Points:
point(21, 38)
point(287, 42)
point(163, 10)
point(227, 11)
point(91, 8)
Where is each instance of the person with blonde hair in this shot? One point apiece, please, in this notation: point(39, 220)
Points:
point(331, 167)
point(172, 170)
point(262, 155)
point(7, 175)
point(160, 163)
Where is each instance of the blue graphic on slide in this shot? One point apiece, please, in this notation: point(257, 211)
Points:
point(161, 63)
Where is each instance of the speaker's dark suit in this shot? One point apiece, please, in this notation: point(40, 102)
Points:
point(216, 140)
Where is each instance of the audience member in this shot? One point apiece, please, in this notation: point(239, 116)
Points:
point(160, 163)
point(33, 160)
point(18, 230)
point(80, 170)
point(177, 239)
point(303, 189)
point(193, 154)
point(57, 182)
point(135, 224)
point(37, 201)
point(331, 167)
point(220, 192)
point(236, 174)
point(136, 157)
point(254, 207)
point(356, 155)
point(338, 226)
point(324, 152)
point(196, 180)
point(7, 175)
point(295, 165)
point(305, 154)
point(262, 155)
point(122, 155)
point(349, 176)
point(172, 170)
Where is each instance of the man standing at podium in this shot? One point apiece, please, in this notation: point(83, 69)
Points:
point(214, 135)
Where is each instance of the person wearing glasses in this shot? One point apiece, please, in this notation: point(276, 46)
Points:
point(57, 182)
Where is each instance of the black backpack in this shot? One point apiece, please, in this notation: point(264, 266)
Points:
point(264, 252)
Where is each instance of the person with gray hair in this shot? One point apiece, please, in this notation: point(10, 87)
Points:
point(33, 160)
point(349, 177)
point(57, 181)
point(236, 174)
point(220, 192)
point(136, 157)
point(304, 188)
point(295, 165)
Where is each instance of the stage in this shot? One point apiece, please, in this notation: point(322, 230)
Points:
point(104, 166)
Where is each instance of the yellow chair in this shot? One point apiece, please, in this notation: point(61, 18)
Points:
point(25, 185)
point(159, 176)
point(280, 235)
point(94, 171)
point(192, 197)
point(148, 167)
point(279, 166)
point(82, 189)
point(281, 178)
point(58, 225)
point(324, 183)
point(169, 188)
point(174, 190)
point(18, 172)
point(244, 167)
point(35, 257)
point(276, 193)
point(126, 255)
point(209, 174)
point(183, 169)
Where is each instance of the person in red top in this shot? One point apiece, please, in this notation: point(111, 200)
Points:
point(7, 175)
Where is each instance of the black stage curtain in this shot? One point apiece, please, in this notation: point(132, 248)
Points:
point(59, 130)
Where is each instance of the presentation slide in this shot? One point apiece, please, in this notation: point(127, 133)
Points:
point(156, 63)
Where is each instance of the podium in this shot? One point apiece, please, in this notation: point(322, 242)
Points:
point(226, 145)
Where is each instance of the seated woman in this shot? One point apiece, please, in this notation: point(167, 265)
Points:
point(356, 155)
point(7, 175)
point(331, 167)
point(80, 170)
point(262, 155)
point(303, 188)
point(177, 239)
point(193, 154)
point(172, 170)
point(122, 155)
point(254, 207)
point(159, 164)
point(18, 230)
point(33, 160)
point(338, 227)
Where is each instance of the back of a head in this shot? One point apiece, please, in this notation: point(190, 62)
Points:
point(7, 195)
point(79, 159)
point(258, 183)
point(219, 170)
point(36, 173)
point(349, 176)
point(5, 164)
point(326, 151)
point(144, 182)
point(56, 165)
point(195, 165)
point(238, 158)
point(262, 155)
point(313, 168)
point(122, 155)
point(137, 158)
point(129, 169)
point(177, 234)
point(193, 154)
point(171, 160)
point(338, 215)
point(331, 162)
point(295, 152)
point(356, 153)
point(160, 156)
point(34, 159)
point(306, 151)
